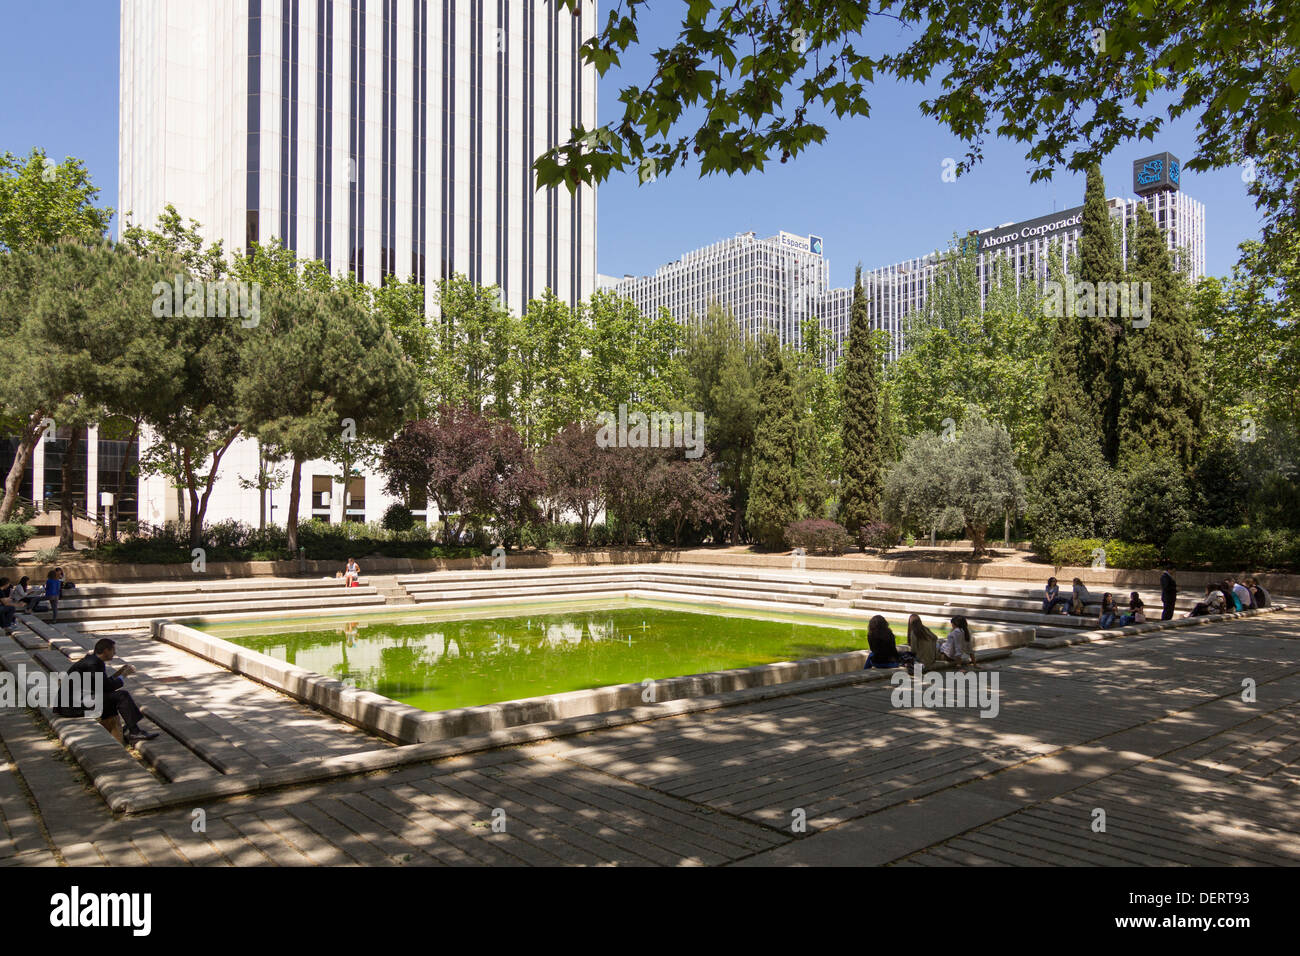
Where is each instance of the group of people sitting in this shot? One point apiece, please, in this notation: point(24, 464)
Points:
point(1220, 598)
point(1231, 595)
point(1111, 616)
point(22, 598)
point(923, 645)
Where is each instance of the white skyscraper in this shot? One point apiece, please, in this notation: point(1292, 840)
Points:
point(903, 287)
point(773, 284)
point(770, 285)
point(383, 137)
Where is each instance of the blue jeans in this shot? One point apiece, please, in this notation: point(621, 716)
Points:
point(1107, 621)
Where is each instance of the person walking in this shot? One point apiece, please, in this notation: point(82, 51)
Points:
point(53, 590)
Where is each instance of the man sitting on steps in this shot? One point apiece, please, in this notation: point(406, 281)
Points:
point(118, 700)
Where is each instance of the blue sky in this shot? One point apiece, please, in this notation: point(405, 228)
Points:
point(873, 191)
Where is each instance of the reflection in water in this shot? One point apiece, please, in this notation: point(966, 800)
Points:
point(456, 663)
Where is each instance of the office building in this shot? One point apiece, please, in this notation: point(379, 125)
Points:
point(382, 137)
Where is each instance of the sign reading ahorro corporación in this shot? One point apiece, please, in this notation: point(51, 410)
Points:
point(1044, 227)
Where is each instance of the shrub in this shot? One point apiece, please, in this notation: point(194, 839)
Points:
point(1276, 503)
point(1156, 503)
point(818, 534)
point(48, 555)
point(1130, 556)
point(1081, 552)
point(1073, 495)
point(398, 517)
point(1229, 548)
point(14, 535)
point(880, 535)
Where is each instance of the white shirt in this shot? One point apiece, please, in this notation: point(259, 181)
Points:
point(954, 645)
point(1243, 594)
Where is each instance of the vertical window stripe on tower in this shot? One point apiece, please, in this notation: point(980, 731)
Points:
point(254, 145)
point(324, 128)
point(419, 135)
point(448, 232)
point(357, 141)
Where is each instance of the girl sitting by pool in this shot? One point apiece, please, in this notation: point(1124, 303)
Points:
point(958, 647)
point(884, 649)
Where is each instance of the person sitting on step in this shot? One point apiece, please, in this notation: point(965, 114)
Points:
point(1257, 592)
point(1052, 597)
point(117, 699)
point(351, 573)
point(1137, 611)
point(1108, 612)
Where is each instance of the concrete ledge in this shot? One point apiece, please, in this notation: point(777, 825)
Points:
point(408, 725)
point(379, 760)
point(1088, 637)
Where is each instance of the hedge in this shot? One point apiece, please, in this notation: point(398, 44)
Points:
point(1234, 548)
point(1191, 549)
point(1080, 552)
point(235, 541)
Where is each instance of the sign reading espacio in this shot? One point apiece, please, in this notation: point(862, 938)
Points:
point(811, 244)
point(1040, 228)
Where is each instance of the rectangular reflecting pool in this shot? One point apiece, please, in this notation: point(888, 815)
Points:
point(443, 659)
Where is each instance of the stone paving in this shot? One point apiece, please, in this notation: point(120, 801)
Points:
point(1153, 732)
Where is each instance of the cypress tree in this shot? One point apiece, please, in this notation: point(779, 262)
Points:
point(774, 482)
point(1072, 491)
point(863, 443)
point(1163, 391)
point(1071, 421)
point(1099, 262)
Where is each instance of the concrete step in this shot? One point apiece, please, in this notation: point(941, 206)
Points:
point(1028, 596)
point(200, 586)
point(208, 597)
point(147, 612)
point(947, 610)
point(588, 573)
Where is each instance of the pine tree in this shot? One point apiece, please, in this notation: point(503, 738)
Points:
point(774, 485)
point(863, 480)
point(1099, 262)
point(1163, 392)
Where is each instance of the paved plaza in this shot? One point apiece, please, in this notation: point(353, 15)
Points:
point(1152, 732)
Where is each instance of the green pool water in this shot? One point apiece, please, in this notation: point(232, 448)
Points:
point(441, 662)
